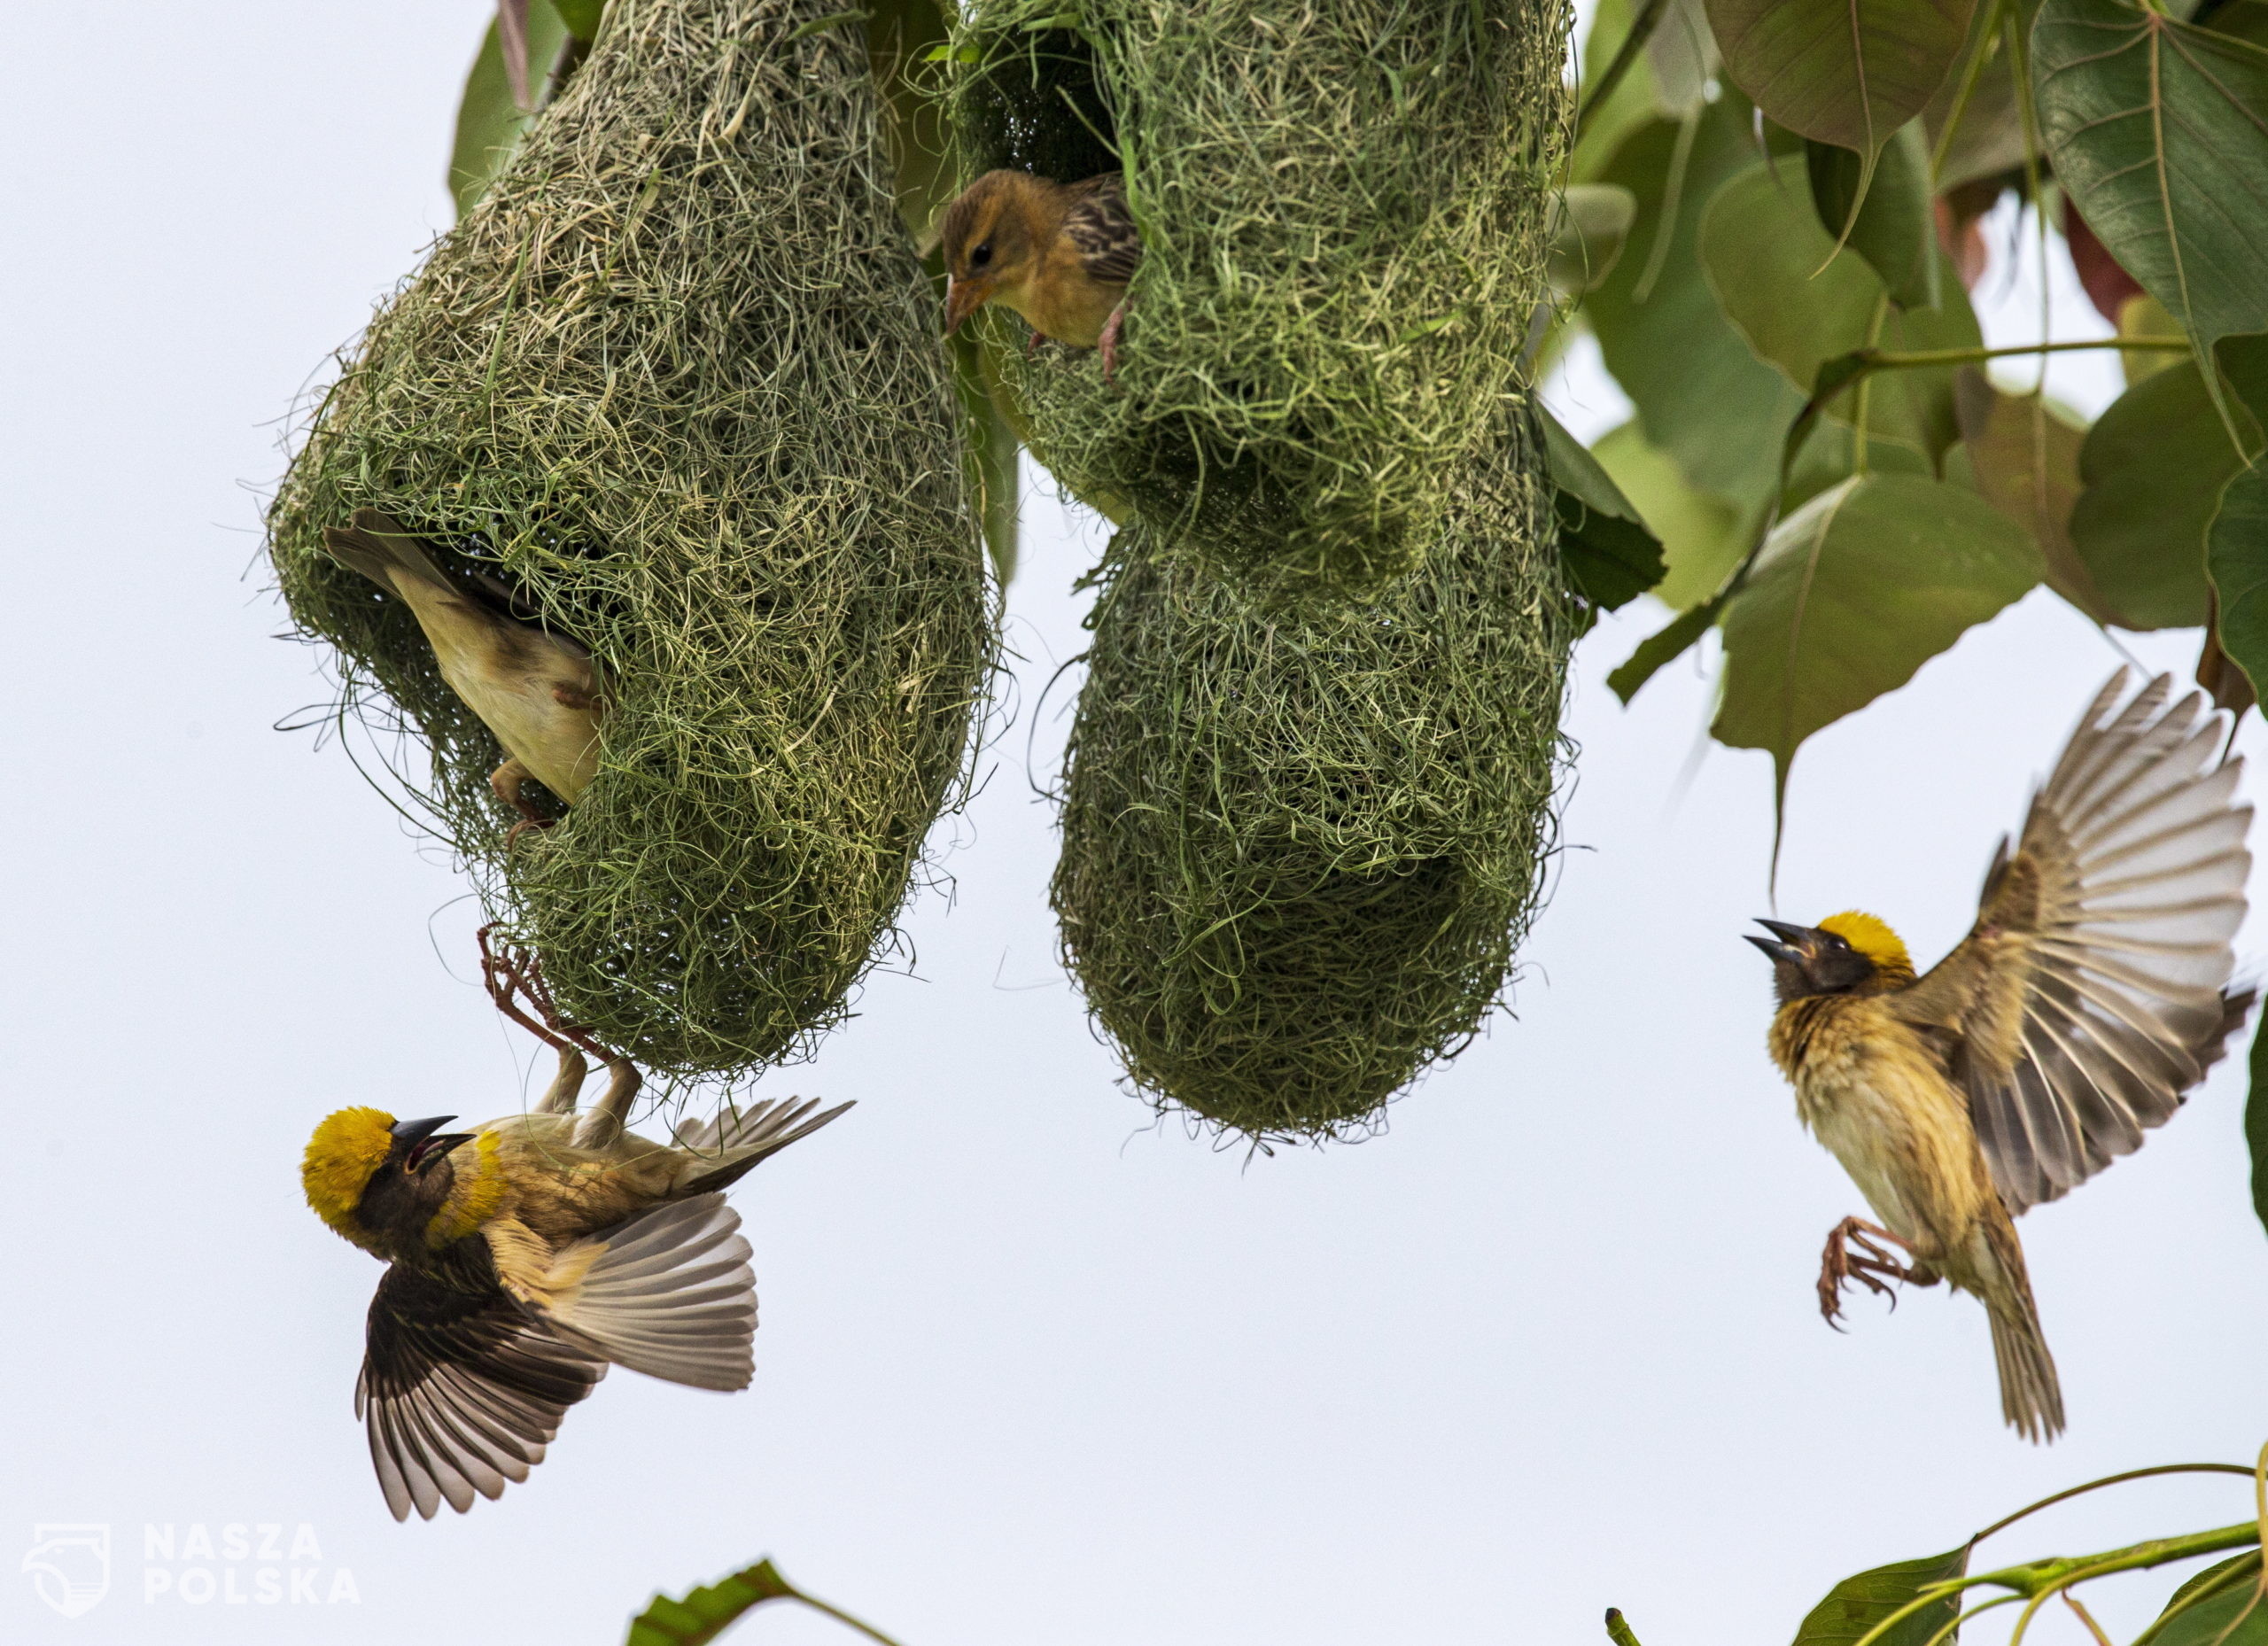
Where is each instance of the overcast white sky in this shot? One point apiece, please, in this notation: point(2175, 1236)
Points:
point(1031, 1370)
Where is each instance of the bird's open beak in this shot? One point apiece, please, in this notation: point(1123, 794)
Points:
point(964, 298)
point(1789, 943)
point(426, 1139)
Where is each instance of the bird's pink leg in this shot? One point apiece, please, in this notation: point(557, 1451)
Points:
point(1108, 341)
point(1870, 1264)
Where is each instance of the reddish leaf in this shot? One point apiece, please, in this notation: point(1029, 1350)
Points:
point(2108, 285)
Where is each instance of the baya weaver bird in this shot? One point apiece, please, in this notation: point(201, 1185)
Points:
point(2090, 996)
point(534, 688)
point(525, 1257)
point(1060, 254)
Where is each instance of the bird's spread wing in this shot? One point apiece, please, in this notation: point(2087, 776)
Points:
point(460, 1389)
point(1102, 228)
point(2090, 996)
point(727, 1146)
point(669, 1294)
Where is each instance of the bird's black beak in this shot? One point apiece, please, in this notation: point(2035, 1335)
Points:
point(424, 1141)
point(1788, 945)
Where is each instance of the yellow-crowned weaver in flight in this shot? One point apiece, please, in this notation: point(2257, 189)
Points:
point(527, 1255)
point(1060, 254)
point(2090, 996)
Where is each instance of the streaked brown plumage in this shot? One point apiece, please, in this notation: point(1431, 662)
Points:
point(523, 1264)
point(534, 688)
point(1060, 254)
point(2088, 998)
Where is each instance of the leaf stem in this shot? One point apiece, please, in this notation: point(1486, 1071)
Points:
point(845, 1618)
point(1617, 1629)
point(2109, 1479)
point(1988, 36)
point(1641, 28)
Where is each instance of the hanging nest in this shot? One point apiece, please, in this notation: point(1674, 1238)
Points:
point(1299, 847)
point(1344, 213)
point(676, 381)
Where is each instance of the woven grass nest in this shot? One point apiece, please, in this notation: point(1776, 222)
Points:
point(1301, 847)
point(1344, 212)
point(676, 379)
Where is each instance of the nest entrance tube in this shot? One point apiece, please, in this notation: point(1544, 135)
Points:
point(675, 382)
point(1301, 847)
point(1344, 217)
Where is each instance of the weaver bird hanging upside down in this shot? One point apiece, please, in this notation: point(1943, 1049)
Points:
point(520, 1266)
point(534, 688)
point(1058, 254)
point(2088, 997)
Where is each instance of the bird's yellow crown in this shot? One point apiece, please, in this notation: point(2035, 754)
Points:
point(1873, 939)
point(346, 1149)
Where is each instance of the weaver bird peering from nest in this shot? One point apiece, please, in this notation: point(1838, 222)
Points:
point(1058, 254)
point(534, 688)
point(2088, 998)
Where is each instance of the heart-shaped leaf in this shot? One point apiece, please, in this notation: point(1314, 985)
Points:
point(1847, 71)
point(1851, 594)
point(2159, 131)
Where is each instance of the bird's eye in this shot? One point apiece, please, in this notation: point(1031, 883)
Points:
point(980, 256)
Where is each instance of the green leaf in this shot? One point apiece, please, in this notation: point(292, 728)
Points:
point(1847, 71)
point(581, 17)
point(2221, 1605)
point(1764, 250)
point(1702, 536)
point(1660, 649)
point(2144, 316)
point(992, 447)
point(1702, 396)
point(1683, 53)
point(2236, 556)
point(1636, 100)
point(2150, 469)
point(1610, 557)
point(704, 1614)
point(2024, 459)
point(1856, 1604)
point(1896, 229)
point(2160, 132)
point(1989, 141)
point(489, 122)
point(1593, 223)
point(902, 37)
point(1851, 594)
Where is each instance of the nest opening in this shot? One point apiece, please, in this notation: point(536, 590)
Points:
point(1343, 212)
point(674, 381)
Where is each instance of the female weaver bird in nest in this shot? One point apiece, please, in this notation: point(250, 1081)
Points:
point(526, 1256)
point(1058, 254)
point(535, 688)
point(2087, 999)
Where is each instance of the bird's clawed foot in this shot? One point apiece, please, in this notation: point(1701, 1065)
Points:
point(511, 781)
point(1854, 1252)
point(512, 974)
point(1108, 343)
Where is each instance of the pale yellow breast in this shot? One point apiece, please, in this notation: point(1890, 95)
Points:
point(1872, 1093)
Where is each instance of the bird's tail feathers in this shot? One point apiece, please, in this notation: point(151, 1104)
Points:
point(376, 546)
point(2032, 1396)
point(669, 1294)
point(727, 1146)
